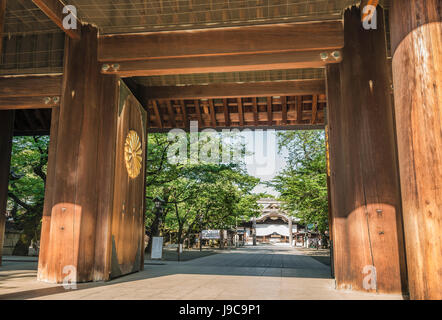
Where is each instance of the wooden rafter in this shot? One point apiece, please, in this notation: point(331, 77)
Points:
point(240, 112)
point(185, 116)
point(212, 113)
point(247, 113)
point(171, 114)
point(269, 111)
point(255, 111)
point(299, 109)
point(284, 109)
point(54, 10)
point(314, 108)
point(157, 114)
point(226, 113)
point(198, 112)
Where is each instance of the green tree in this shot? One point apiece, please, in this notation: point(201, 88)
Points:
point(26, 188)
point(303, 184)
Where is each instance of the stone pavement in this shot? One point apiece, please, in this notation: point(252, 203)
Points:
point(256, 273)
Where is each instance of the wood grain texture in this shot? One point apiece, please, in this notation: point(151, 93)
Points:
point(367, 228)
point(6, 132)
point(16, 103)
point(416, 28)
point(128, 204)
point(223, 63)
point(221, 41)
point(76, 222)
point(30, 86)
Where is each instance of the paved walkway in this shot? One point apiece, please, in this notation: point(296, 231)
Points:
point(264, 272)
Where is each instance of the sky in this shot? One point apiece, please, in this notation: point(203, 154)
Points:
point(267, 160)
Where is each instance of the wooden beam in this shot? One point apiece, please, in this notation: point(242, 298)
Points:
point(212, 113)
point(226, 113)
point(184, 110)
point(16, 103)
point(236, 90)
point(240, 112)
point(269, 111)
point(255, 111)
point(30, 86)
point(54, 10)
point(157, 111)
point(198, 112)
point(222, 41)
point(299, 109)
point(284, 109)
point(314, 108)
point(171, 114)
point(221, 63)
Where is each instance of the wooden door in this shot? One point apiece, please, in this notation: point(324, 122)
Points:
point(129, 188)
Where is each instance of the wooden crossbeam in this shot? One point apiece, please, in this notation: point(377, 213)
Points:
point(235, 90)
point(17, 103)
point(221, 63)
point(30, 86)
point(30, 92)
point(54, 10)
point(247, 48)
point(270, 38)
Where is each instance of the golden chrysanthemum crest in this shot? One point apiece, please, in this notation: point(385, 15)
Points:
point(133, 152)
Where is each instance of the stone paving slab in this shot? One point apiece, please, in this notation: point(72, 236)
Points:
point(248, 273)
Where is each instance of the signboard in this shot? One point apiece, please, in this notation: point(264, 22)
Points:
point(157, 248)
point(210, 234)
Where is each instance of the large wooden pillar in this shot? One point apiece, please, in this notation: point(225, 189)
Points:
point(6, 133)
point(93, 209)
point(366, 206)
point(416, 36)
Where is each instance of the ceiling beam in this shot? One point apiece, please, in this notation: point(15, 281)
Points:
point(221, 63)
point(270, 38)
point(30, 86)
point(54, 10)
point(235, 90)
point(20, 103)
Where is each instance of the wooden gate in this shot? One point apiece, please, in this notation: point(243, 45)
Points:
point(128, 205)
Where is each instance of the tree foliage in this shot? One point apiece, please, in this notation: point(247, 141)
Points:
point(26, 188)
point(303, 183)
